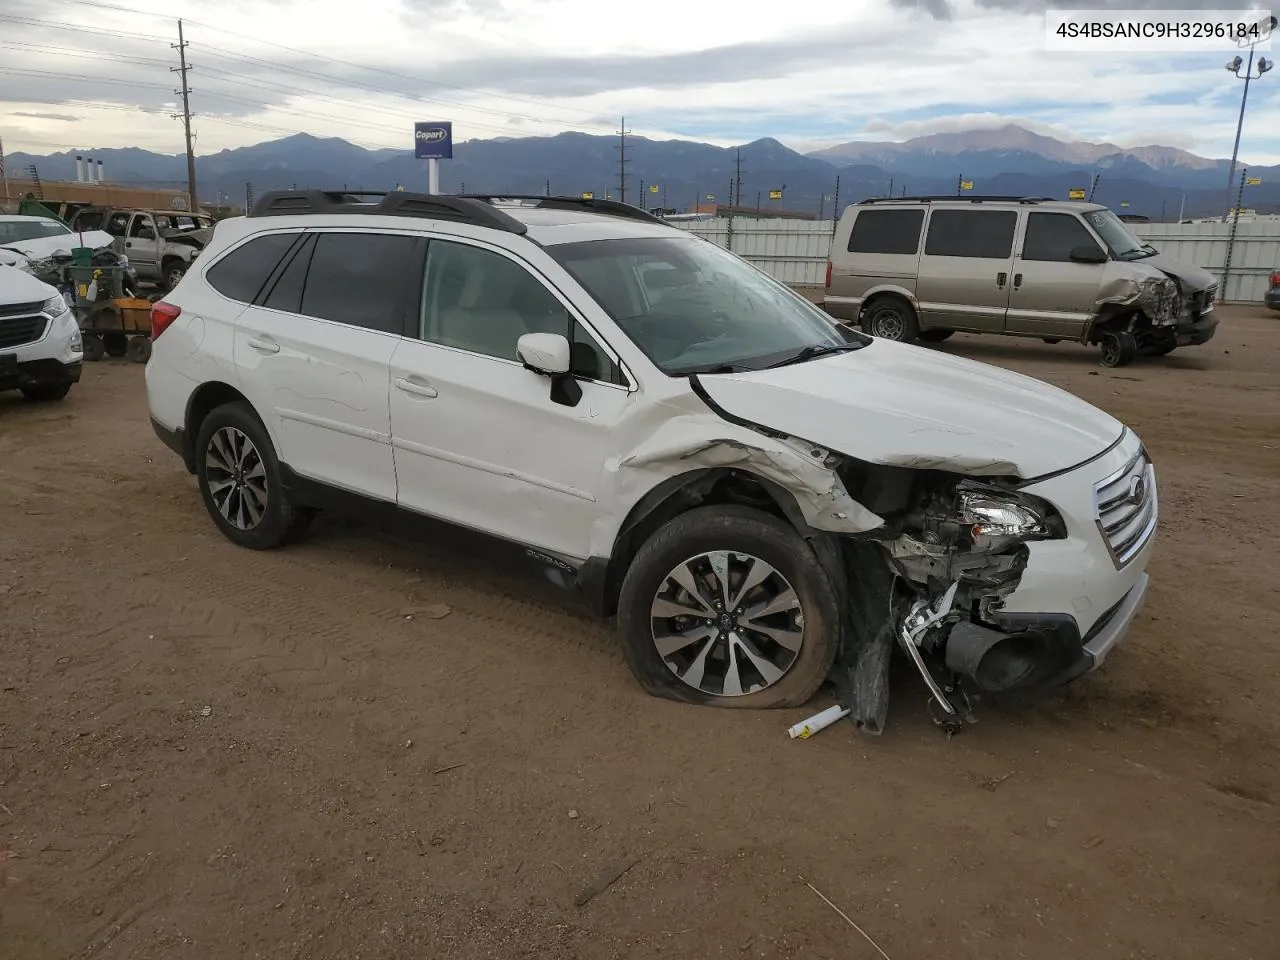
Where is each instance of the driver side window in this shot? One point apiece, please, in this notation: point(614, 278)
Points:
point(140, 224)
point(483, 302)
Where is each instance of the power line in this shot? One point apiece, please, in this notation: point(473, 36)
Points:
point(347, 63)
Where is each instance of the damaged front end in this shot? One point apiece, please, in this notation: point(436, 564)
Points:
point(932, 580)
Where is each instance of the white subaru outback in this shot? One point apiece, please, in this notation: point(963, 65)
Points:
point(762, 497)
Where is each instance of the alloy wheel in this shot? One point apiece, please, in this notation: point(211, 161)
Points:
point(727, 623)
point(237, 478)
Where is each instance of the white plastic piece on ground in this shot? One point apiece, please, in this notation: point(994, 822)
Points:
point(819, 721)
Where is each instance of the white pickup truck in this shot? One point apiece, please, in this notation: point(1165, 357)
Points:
point(160, 244)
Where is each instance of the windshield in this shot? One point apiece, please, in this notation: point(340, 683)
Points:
point(14, 231)
point(695, 308)
point(1122, 244)
point(184, 223)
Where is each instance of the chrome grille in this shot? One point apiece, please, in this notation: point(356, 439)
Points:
point(1127, 509)
point(15, 331)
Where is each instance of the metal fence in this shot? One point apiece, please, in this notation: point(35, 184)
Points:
point(795, 251)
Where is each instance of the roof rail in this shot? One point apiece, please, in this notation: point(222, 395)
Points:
point(394, 203)
point(945, 197)
point(611, 207)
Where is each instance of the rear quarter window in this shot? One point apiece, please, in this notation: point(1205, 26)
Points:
point(886, 231)
point(241, 274)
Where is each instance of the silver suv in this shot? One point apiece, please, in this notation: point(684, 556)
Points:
point(921, 268)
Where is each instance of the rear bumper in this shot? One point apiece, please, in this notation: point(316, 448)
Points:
point(46, 370)
point(175, 440)
point(1272, 298)
point(844, 309)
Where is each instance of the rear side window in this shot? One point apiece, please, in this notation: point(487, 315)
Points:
point(360, 279)
point(242, 272)
point(980, 234)
point(886, 231)
point(286, 292)
point(1052, 236)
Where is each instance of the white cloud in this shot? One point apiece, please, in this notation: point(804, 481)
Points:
point(811, 75)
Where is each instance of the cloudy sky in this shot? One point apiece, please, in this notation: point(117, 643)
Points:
point(80, 74)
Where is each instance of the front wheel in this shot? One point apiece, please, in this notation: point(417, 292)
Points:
point(45, 392)
point(1119, 349)
point(728, 606)
point(239, 479)
point(174, 271)
point(891, 319)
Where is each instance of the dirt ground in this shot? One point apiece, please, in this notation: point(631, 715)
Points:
point(364, 748)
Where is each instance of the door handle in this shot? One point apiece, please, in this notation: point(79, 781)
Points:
point(415, 387)
point(264, 344)
point(1017, 280)
point(1001, 279)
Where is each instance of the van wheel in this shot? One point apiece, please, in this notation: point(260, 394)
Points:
point(891, 319)
point(728, 606)
point(936, 335)
point(1118, 349)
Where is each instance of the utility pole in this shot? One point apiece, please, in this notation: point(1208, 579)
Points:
point(835, 207)
point(1094, 185)
point(642, 203)
point(548, 186)
point(737, 177)
point(1231, 238)
point(248, 197)
point(622, 161)
point(185, 92)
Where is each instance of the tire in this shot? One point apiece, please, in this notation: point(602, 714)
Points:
point(45, 392)
point(810, 628)
point(891, 318)
point(94, 350)
point(936, 335)
point(139, 349)
point(172, 273)
point(278, 519)
point(115, 344)
point(1118, 349)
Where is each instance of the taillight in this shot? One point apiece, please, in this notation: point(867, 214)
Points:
point(828, 283)
point(163, 314)
point(1275, 279)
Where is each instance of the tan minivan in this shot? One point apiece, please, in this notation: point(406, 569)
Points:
point(921, 268)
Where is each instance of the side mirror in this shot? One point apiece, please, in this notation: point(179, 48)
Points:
point(1088, 253)
point(544, 353)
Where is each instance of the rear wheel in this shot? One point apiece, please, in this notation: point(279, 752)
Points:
point(1118, 349)
point(936, 335)
point(139, 349)
point(728, 606)
point(239, 479)
point(115, 344)
point(93, 347)
point(891, 319)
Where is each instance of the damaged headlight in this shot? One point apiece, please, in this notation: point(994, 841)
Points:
point(997, 519)
point(1160, 297)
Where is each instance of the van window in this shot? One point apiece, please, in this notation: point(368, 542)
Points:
point(1052, 237)
point(981, 234)
point(886, 231)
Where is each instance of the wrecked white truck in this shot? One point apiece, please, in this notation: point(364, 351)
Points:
point(763, 497)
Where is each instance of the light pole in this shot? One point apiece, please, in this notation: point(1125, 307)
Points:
point(1234, 67)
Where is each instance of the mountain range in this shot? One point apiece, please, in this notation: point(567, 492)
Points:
point(1154, 181)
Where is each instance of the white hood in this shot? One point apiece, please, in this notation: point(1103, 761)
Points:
point(19, 287)
point(37, 248)
point(907, 406)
